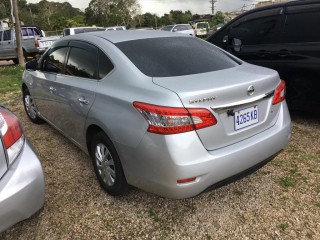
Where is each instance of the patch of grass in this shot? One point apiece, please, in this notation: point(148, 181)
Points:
point(10, 79)
point(208, 237)
point(154, 215)
point(317, 204)
point(294, 169)
point(277, 162)
point(318, 189)
point(287, 181)
point(283, 226)
point(2, 238)
point(238, 192)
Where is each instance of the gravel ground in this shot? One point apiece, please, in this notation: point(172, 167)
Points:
point(280, 201)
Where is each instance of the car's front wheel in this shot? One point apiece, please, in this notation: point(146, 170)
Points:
point(30, 107)
point(107, 165)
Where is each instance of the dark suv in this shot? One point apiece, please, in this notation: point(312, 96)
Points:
point(284, 37)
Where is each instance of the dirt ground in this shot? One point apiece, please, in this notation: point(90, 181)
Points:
point(279, 201)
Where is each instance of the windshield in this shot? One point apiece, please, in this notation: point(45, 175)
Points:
point(167, 28)
point(175, 56)
point(202, 25)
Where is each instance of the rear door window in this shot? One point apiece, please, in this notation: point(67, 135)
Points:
point(175, 56)
point(82, 60)
point(302, 24)
point(6, 35)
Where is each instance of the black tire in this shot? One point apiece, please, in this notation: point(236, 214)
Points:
point(31, 108)
point(107, 165)
point(15, 61)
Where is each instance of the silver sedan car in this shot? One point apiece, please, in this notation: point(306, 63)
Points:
point(21, 175)
point(168, 113)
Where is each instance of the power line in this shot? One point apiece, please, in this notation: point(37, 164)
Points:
point(212, 5)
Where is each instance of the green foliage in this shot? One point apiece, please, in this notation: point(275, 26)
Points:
point(218, 18)
point(111, 12)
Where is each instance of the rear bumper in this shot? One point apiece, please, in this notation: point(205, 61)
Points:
point(160, 161)
point(21, 189)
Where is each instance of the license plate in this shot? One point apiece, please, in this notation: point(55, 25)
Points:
point(45, 44)
point(246, 117)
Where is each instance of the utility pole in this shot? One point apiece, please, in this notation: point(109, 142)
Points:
point(16, 22)
point(212, 5)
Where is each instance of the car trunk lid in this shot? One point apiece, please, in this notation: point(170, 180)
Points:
point(240, 98)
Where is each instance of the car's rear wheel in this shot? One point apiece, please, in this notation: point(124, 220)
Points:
point(107, 165)
point(30, 107)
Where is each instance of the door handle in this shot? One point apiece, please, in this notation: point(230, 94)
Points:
point(284, 53)
point(263, 53)
point(82, 100)
point(52, 90)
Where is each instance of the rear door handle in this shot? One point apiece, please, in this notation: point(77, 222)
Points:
point(263, 53)
point(52, 90)
point(284, 53)
point(82, 100)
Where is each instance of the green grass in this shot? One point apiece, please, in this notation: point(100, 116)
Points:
point(287, 181)
point(283, 226)
point(10, 79)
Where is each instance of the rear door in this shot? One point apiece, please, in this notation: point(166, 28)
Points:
point(300, 51)
point(8, 48)
point(75, 91)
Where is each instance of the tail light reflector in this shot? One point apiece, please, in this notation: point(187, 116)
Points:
point(36, 42)
point(280, 93)
point(187, 180)
point(172, 120)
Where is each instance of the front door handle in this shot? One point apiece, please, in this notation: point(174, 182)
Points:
point(52, 90)
point(82, 100)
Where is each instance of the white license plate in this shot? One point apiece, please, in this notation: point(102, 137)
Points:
point(246, 117)
point(45, 44)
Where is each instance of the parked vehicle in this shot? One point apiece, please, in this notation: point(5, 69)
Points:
point(283, 37)
point(21, 175)
point(153, 121)
point(180, 28)
point(116, 28)
point(201, 29)
point(33, 43)
point(77, 30)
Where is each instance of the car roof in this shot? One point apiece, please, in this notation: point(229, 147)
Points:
point(123, 36)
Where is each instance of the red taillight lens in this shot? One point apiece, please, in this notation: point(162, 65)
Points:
point(10, 128)
point(36, 42)
point(171, 120)
point(279, 93)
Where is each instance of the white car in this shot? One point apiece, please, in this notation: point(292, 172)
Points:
point(180, 28)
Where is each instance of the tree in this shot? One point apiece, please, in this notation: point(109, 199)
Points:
point(217, 19)
point(111, 12)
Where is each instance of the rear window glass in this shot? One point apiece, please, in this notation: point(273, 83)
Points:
point(175, 56)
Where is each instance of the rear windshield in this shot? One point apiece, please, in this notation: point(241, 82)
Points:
point(175, 56)
point(202, 25)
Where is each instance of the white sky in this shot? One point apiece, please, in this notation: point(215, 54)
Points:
point(160, 7)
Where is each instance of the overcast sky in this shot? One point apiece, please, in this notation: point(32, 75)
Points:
point(164, 6)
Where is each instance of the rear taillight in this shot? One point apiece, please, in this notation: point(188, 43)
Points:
point(172, 120)
point(12, 134)
point(36, 42)
point(279, 93)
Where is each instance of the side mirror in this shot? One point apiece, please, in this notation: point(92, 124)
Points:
point(32, 65)
point(175, 30)
point(236, 44)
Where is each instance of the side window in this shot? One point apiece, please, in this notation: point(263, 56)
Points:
point(254, 31)
point(30, 32)
point(82, 61)
point(24, 32)
point(54, 61)
point(302, 27)
point(105, 65)
point(37, 32)
point(7, 35)
point(1, 36)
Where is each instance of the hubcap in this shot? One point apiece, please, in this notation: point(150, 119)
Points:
point(105, 164)
point(30, 106)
